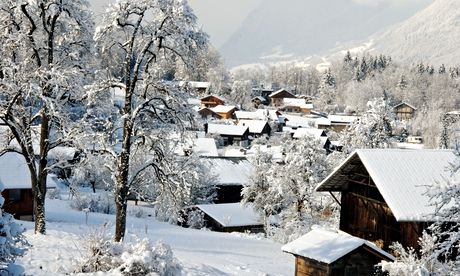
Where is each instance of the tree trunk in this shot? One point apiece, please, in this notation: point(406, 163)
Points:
point(40, 186)
point(122, 188)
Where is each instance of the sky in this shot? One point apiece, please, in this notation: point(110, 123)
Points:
point(220, 18)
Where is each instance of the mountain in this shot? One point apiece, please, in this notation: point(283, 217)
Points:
point(283, 29)
point(431, 35)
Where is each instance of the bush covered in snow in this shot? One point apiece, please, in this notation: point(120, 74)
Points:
point(12, 242)
point(102, 202)
point(137, 258)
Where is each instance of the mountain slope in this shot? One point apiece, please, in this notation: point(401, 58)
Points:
point(432, 36)
point(279, 29)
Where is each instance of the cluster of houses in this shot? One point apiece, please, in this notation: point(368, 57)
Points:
point(381, 192)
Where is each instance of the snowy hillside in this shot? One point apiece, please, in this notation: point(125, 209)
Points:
point(280, 30)
point(431, 36)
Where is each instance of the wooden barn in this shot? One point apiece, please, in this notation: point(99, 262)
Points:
point(231, 217)
point(211, 101)
point(15, 177)
point(383, 193)
point(404, 111)
point(224, 111)
point(277, 97)
point(325, 252)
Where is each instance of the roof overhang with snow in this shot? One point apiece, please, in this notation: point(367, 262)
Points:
point(401, 176)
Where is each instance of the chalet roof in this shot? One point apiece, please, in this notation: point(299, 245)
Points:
point(297, 102)
point(298, 121)
point(401, 176)
point(255, 126)
point(404, 103)
point(260, 98)
point(14, 173)
point(229, 171)
point(231, 130)
point(223, 108)
point(231, 214)
point(282, 93)
point(304, 131)
point(259, 114)
point(205, 147)
point(195, 84)
point(328, 246)
point(205, 110)
point(212, 96)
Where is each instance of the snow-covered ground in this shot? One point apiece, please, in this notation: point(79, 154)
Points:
point(200, 252)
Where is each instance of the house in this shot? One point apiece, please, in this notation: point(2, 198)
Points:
point(383, 193)
point(200, 87)
point(208, 113)
point(296, 106)
point(212, 101)
point(259, 100)
point(229, 176)
point(277, 97)
point(404, 111)
point(228, 133)
point(15, 177)
point(224, 111)
point(336, 123)
point(257, 128)
point(259, 114)
point(231, 217)
point(318, 134)
point(326, 252)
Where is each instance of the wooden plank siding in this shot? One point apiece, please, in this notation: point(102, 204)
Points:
point(365, 214)
point(19, 203)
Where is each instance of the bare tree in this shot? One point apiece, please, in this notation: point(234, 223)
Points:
point(44, 46)
point(139, 39)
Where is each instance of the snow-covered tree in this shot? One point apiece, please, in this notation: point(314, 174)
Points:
point(373, 129)
point(45, 49)
point(138, 38)
point(12, 241)
point(327, 92)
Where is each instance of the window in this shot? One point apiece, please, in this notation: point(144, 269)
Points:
point(14, 195)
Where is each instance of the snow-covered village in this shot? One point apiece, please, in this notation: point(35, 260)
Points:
point(242, 137)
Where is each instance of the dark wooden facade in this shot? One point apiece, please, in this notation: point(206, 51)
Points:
point(207, 113)
point(404, 111)
point(19, 203)
point(365, 214)
point(211, 101)
point(359, 262)
point(228, 193)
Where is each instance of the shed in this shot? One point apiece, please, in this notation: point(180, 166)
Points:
point(15, 178)
point(404, 111)
point(383, 193)
point(231, 217)
point(326, 252)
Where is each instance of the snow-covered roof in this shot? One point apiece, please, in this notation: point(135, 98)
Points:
point(280, 92)
point(229, 171)
point(231, 214)
point(259, 114)
point(227, 129)
point(205, 147)
point(405, 103)
point(62, 153)
point(304, 131)
point(401, 176)
point(255, 126)
point(298, 121)
point(195, 84)
point(297, 102)
point(328, 246)
point(223, 108)
point(14, 173)
point(345, 119)
point(212, 96)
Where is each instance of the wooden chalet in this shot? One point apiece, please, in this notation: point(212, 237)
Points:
point(404, 111)
point(336, 123)
point(208, 113)
point(258, 101)
point(277, 97)
point(15, 177)
point(230, 174)
point(231, 217)
point(211, 101)
point(224, 111)
point(257, 128)
point(228, 134)
point(325, 252)
point(383, 193)
point(295, 105)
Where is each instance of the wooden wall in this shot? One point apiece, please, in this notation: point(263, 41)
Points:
point(308, 267)
point(21, 209)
